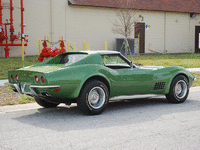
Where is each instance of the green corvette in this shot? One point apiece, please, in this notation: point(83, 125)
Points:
point(90, 78)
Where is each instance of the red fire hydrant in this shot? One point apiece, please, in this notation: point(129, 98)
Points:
point(46, 52)
point(57, 51)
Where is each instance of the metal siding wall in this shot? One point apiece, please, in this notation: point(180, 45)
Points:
point(94, 25)
point(177, 32)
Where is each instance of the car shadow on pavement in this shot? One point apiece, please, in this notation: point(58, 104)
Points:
point(118, 113)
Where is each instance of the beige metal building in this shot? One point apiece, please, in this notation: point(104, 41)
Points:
point(171, 26)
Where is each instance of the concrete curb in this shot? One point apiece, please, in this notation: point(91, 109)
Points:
point(193, 69)
point(22, 107)
point(3, 82)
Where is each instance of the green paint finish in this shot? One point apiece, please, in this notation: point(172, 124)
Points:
point(122, 79)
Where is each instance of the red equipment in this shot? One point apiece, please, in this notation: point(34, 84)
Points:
point(4, 33)
point(57, 51)
point(48, 52)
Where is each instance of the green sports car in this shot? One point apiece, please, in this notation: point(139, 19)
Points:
point(91, 78)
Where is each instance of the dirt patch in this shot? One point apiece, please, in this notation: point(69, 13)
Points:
point(9, 97)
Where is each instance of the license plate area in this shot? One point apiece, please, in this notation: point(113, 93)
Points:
point(25, 87)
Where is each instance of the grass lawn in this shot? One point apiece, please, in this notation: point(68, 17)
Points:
point(183, 60)
point(197, 76)
point(15, 63)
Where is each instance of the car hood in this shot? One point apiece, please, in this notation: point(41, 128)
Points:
point(44, 69)
point(151, 67)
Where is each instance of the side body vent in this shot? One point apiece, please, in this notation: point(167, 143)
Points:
point(159, 85)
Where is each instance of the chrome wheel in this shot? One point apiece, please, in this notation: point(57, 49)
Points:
point(96, 97)
point(181, 89)
point(93, 98)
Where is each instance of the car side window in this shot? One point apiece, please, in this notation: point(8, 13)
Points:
point(114, 62)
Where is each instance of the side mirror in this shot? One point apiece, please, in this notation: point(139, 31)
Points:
point(131, 64)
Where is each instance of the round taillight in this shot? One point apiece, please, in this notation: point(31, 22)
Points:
point(36, 79)
point(12, 78)
point(42, 79)
point(17, 78)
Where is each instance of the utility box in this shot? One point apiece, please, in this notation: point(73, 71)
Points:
point(133, 45)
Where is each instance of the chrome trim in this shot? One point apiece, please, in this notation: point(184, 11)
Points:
point(17, 88)
point(44, 86)
point(23, 85)
point(41, 87)
point(130, 62)
point(96, 97)
point(180, 89)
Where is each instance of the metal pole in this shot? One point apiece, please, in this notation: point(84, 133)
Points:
point(68, 49)
point(22, 20)
point(11, 17)
point(106, 45)
point(59, 42)
point(22, 49)
point(74, 49)
point(84, 46)
point(47, 41)
point(88, 46)
point(39, 49)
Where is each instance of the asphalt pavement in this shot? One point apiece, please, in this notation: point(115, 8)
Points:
point(137, 124)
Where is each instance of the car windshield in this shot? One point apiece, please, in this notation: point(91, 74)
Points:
point(71, 58)
point(113, 60)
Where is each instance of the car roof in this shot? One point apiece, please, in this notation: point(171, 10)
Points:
point(101, 52)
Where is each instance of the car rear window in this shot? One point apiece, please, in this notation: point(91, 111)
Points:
point(71, 58)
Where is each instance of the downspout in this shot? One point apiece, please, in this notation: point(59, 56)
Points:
point(51, 21)
point(165, 32)
point(66, 4)
point(189, 48)
point(1, 7)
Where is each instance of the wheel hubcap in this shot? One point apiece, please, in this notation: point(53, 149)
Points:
point(96, 97)
point(181, 89)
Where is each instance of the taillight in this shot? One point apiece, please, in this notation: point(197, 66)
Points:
point(36, 79)
point(42, 79)
point(12, 78)
point(57, 90)
point(17, 78)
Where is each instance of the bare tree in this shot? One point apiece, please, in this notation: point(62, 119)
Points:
point(125, 23)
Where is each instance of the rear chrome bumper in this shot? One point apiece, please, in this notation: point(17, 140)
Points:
point(32, 87)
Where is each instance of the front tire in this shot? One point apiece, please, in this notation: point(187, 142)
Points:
point(179, 90)
point(93, 98)
point(45, 104)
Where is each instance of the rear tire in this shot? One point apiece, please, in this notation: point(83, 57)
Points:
point(45, 104)
point(179, 90)
point(93, 98)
